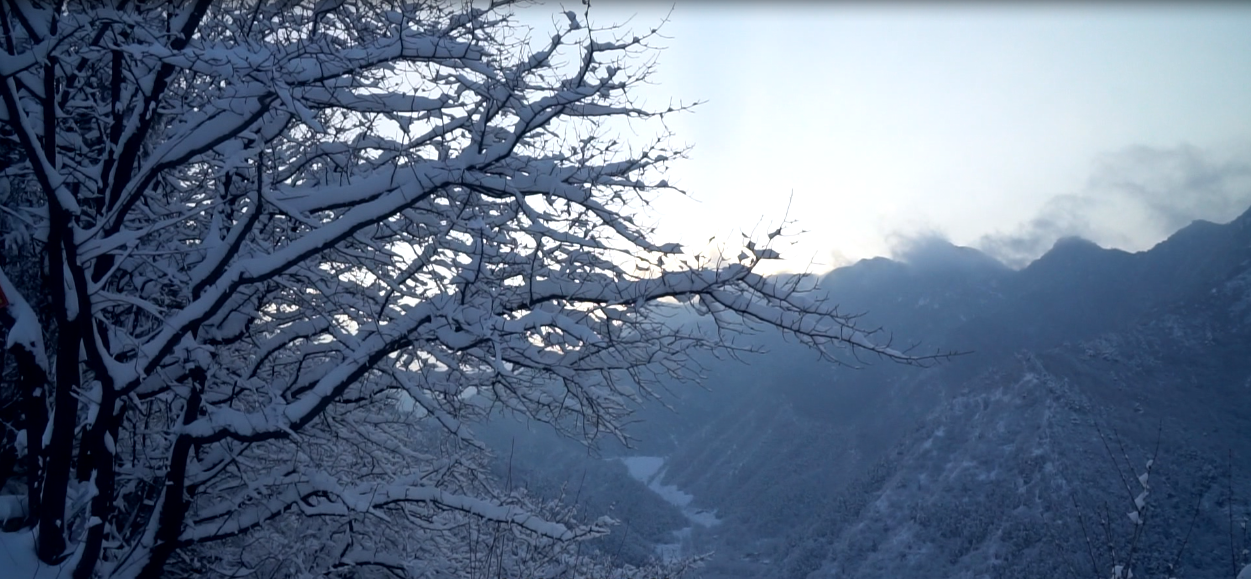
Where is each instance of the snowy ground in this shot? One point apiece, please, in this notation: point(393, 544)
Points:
point(650, 470)
point(17, 558)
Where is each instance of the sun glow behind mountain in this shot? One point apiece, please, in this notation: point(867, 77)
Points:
point(999, 127)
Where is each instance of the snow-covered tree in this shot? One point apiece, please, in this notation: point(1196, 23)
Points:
point(290, 251)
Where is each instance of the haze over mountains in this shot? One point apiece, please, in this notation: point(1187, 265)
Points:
point(988, 465)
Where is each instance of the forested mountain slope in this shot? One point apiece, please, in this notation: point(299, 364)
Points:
point(980, 467)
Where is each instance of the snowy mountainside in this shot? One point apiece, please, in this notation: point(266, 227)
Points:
point(987, 465)
point(886, 471)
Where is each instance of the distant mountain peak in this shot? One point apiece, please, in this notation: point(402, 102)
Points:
point(1071, 249)
point(1074, 241)
point(929, 255)
point(1198, 224)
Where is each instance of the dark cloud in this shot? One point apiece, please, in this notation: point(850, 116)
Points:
point(1134, 198)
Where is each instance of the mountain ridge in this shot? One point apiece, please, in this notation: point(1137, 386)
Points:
point(1132, 341)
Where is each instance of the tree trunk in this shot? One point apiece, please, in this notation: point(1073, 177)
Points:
point(107, 425)
point(174, 506)
point(34, 422)
point(59, 453)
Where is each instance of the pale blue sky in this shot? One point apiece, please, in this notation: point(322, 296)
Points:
point(1003, 126)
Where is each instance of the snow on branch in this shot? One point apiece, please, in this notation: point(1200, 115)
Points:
point(299, 251)
point(334, 500)
point(26, 332)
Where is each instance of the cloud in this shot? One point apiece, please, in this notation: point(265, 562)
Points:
point(836, 259)
point(1063, 215)
point(1133, 199)
point(1177, 186)
point(916, 246)
point(929, 249)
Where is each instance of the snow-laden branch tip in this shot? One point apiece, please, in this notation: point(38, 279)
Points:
point(27, 332)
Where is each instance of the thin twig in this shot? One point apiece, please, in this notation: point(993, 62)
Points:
point(1090, 547)
point(1233, 552)
point(1141, 522)
point(1185, 541)
point(1116, 463)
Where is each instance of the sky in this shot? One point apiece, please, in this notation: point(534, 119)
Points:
point(874, 127)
